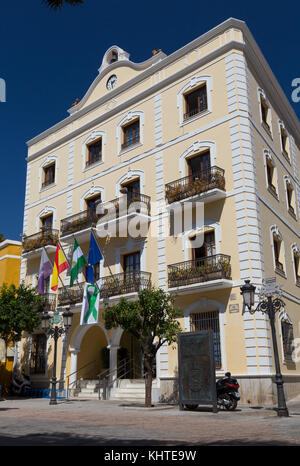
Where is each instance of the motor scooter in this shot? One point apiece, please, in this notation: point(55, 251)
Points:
point(21, 387)
point(227, 392)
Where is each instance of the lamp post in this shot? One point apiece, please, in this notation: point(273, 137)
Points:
point(50, 326)
point(269, 304)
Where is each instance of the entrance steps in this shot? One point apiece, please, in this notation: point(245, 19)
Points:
point(125, 390)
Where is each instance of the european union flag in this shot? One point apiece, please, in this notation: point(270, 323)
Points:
point(95, 256)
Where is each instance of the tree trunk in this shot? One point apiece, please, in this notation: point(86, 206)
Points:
point(148, 381)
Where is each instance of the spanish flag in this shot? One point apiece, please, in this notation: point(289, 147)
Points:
point(60, 264)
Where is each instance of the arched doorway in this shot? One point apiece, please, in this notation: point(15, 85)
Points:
point(89, 354)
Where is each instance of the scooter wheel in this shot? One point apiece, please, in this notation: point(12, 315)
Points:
point(232, 405)
point(191, 406)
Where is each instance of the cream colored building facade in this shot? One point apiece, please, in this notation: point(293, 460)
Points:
point(209, 123)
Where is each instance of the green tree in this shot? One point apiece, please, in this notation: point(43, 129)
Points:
point(1, 237)
point(57, 4)
point(20, 309)
point(152, 320)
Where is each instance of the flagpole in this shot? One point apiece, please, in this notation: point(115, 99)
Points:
point(64, 286)
point(75, 239)
point(103, 256)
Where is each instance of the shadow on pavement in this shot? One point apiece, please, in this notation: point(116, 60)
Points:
point(64, 439)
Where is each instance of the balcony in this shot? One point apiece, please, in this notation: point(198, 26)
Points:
point(106, 212)
point(50, 302)
point(81, 221)
point(124, 283)
point(209, 183)
point(70, 294)
point(215, 269)
point(46, 237)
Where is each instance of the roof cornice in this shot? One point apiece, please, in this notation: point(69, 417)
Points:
point(250, 48)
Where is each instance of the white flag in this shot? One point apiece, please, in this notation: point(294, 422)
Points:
point(90, 304)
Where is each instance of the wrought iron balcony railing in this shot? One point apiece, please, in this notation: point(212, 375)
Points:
point(199, 270)
point(70, 294)
point(46, 237)
point(50, 302)
point(109, 210)
point(195, 184)
point(123, 283)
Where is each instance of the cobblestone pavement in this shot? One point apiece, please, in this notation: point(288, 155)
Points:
point(109, 423)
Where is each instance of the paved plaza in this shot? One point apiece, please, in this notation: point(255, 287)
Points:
point(114, 423)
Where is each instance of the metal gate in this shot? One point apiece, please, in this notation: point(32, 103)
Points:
point(196, 369)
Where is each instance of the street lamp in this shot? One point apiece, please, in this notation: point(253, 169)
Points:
point(50, 326)
point(269, 304)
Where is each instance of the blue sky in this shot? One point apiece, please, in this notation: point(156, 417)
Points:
point(48, 59)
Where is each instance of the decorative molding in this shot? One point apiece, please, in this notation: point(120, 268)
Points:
point(130, 116)
point(93, 136)
point(47, 161)
point(46, 210)
point(90, 192)
point(194, 82)
point(127, 176)
point(198, 146)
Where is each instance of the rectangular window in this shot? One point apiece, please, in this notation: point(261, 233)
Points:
point(92, 203)
point(199, 165)
point(195, 102)
point(277, 248)
point(94, 153)
point(270, 176)
point(47, 222)
point(209, 321)
point(284, 142)
point(209, 247)
point(133, 189)
point(49, 175)
point(131, 134)
point(265, 112)
point(131, 262)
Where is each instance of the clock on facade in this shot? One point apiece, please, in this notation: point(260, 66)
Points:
point(111, 82)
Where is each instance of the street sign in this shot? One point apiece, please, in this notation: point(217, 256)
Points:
point(196, 369)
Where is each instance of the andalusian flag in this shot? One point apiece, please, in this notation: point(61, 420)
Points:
point(90, 304)
point(78, 262)
point(60, 264)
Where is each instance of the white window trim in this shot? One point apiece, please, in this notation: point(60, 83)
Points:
point(295, 251)
point(274, 231)
point(131, 246)
point(94, 136)
point(288, 151)
point(130, 116)
point(93, 190)
point(196, 147)
point(46, 211)
point(200, 231)
point(48, 161)
point(287, 181)
point(261, 93)
point(194, 82)
point(268, 156)
point(131, 174)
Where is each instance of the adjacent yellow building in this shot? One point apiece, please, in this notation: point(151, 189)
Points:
point(208, 123)
point(10, 262)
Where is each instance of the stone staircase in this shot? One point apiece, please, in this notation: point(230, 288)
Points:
point(125, 390)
